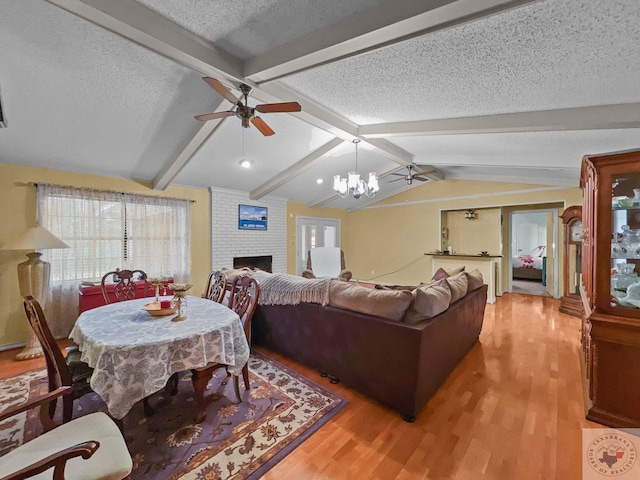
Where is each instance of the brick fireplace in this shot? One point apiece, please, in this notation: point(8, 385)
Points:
point(263, 262)
point(228, 243)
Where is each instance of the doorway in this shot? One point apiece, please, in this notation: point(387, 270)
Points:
point(533, 259)
point(314, 232)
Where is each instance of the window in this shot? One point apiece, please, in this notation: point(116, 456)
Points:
point(108, 230)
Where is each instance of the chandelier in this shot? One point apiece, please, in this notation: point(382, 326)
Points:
point(354, 184)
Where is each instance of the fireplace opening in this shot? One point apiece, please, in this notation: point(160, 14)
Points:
point(263, 262)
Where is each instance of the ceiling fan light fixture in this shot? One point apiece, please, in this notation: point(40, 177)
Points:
point(246, 163)
point(353, 184)
point(243, 111)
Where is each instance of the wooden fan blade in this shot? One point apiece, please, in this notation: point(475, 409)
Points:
point(210, 116)
point(262, 126)
point(221, 89)
point(279, 107)
point(420, 178)
point(395, 180)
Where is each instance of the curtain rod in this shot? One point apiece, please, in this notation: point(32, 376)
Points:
point(112, 191)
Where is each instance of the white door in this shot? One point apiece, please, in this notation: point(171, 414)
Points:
point(314, 232)
point(527, 238)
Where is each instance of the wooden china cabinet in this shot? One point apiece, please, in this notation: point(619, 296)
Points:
point(570, 301)
point(611, 324)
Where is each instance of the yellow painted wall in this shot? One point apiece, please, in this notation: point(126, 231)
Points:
point(387, 242)
point(18, 200)
point(474, 236)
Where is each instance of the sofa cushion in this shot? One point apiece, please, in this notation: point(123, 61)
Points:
point(428, 301)
point(379, 286)
point(458, 285)
point(474, 279)
point(389, 304)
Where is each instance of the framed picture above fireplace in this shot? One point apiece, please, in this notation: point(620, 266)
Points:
point(251, 217)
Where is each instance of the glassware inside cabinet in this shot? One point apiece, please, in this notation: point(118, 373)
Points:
point(625, 241)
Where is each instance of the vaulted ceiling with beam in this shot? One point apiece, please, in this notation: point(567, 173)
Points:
point(491, 90)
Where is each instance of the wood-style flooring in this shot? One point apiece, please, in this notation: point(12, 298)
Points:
point(512, 410)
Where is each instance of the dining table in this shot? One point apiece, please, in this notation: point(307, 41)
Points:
point(134, 353)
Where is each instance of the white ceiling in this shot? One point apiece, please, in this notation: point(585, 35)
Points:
point(495, 90)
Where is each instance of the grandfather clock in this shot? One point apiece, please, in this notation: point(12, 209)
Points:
point(572, 220)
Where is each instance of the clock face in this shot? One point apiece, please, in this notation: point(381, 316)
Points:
point(576, 232)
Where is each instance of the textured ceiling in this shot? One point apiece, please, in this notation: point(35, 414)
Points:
point(553, 54)
point(499, 90)
point(250, 28)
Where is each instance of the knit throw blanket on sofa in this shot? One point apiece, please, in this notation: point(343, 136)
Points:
point(284, 289)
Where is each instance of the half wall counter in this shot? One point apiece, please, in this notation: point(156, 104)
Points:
point(489, 265)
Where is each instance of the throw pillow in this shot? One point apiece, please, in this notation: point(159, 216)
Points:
point(458, 285)
point(428, 301)
point(454, 271)
point(389, 304)
point(440, 274)
point(449, 272)
point(475, 280)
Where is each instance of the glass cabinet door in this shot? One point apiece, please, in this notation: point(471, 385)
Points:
point(625, 241)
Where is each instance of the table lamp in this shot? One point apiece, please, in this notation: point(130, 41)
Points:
point(33, 275)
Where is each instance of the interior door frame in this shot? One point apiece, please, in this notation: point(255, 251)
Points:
point(319, 222)
point(554, 215)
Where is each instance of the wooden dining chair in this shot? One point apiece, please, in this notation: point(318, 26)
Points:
point(245, 293)
point(125, 287)
point(94, 437)
point(216, 286)
point(61, 371)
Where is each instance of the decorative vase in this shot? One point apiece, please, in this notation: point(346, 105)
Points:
point(179, 294)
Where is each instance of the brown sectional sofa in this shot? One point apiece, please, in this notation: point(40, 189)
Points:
point(398, 363)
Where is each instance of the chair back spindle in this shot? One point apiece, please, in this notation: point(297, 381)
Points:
point(217, 286)
point(61, 371)
point(125, 287)
point(245, 293)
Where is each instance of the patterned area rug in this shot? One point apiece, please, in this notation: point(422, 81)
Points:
point(236, 441)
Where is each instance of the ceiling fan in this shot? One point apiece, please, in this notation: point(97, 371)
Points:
point(412, 174)
point(243, 111)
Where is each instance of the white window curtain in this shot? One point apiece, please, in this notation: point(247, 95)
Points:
point(108, 230)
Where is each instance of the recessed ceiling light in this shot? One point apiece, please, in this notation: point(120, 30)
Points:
point(246, 163)
point(319, 181)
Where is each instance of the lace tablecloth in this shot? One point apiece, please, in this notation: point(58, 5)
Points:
point(134, 354)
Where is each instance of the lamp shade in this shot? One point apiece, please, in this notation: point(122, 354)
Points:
point(33, 275)
point(36, 238)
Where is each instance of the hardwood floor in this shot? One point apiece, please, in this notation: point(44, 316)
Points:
point(513, 409)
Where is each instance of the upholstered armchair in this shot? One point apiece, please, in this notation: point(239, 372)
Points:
point(326, 262)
